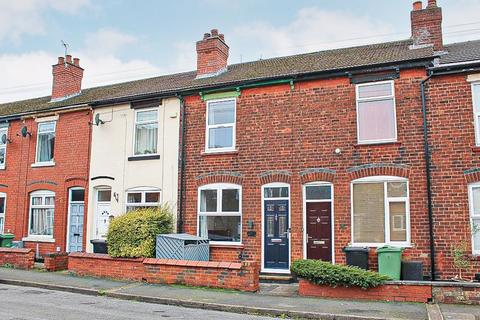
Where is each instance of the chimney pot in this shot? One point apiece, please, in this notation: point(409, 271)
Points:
point(222, 36)
point(214, 32)
point(61, 60)
point(417, 5)
point(76, 61)
point(432, 3)
point(69, 58)
point(206, 35)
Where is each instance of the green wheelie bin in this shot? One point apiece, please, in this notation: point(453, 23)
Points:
point(6, 240)
point(390, 261)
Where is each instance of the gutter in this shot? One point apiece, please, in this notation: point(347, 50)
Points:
point(428, 178)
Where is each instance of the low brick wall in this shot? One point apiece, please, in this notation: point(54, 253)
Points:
point(225, 253)
point(227, 275)
point(56, 261)
point(102, 265)
point(458, 293)
point(17, 258)
point(387, 292)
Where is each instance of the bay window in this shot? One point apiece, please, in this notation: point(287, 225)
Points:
point(474, 197)
point(220, 134)
point(42, 208)
point(46, 142)
point(380, 211)
point(220, 213)
point(376, 118)
point(146, 132)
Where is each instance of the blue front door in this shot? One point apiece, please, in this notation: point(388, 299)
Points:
point(276, 234)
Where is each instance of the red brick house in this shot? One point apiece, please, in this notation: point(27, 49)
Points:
point(44, 169)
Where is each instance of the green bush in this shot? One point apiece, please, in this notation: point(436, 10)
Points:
point(133, 234)
point(325, 273)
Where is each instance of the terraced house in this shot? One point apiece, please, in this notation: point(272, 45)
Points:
point(277, 159)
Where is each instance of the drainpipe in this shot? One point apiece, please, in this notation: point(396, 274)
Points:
point(182, 166)
point(428, 176)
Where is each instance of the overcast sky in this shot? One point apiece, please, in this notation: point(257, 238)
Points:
point(124, 40)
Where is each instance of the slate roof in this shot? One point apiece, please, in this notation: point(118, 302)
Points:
point(289, 66)
point(461, 52)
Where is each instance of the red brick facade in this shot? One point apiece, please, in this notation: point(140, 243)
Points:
point(19, 179)
point(290, 136)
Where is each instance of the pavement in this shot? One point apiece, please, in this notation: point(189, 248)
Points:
point(270, 302)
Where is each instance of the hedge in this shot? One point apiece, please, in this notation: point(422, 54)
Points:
point(325, 273)
point(134, 233)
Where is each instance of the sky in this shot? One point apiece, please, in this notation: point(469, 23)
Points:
point(121, 40)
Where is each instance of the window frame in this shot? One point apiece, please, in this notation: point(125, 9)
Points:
point(387, 201)
point(219, 187)
point(476, 114)
point(43, 194)
point(471, 214)
point(358, 100)
point(4, 130)
point(4, 213)
point(233, 125)
point(52, 161)
point(143, 203)
point(137, 111)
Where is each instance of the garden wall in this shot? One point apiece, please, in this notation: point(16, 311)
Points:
point(56, 261)
point(17, 258)
point(227, 275)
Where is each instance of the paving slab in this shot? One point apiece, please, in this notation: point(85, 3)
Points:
point(220, 300)
point(460, 312)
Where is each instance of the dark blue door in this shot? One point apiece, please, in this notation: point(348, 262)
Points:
point(276, 237)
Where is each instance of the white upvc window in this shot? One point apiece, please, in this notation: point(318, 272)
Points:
point(221, 127)
point(142, 198)
point(146, 132)
point(376, 114)
point(3, 208)
point(380, 211)
point(42, 209)
point(220, 213)
point(3, 147)
point(476, 110)
point(474, 199)
point(46, 142)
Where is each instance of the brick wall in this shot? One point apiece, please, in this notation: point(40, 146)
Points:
point(18, 258)
point(19, 178)
point(56, 261)
point(225, 253)
point(460, 293)
point(282, 135)
point(387, 292)
point(227, 275)
point(453, 152)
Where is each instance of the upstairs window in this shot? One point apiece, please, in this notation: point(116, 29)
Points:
point(46, 142)
point(380, 211)
point(476, 110)
point(142, 199)
point(376, 118)
point(3, 147)
point(42, 207)
point(220, 213)
point(146, 132)
point(220, 135)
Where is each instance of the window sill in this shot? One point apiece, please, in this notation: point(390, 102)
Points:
point(38, 239)
point(142, 158)
point(226, 245)
point(375, 144)
point(43, 164)
point(379, 245)
point(220, 153)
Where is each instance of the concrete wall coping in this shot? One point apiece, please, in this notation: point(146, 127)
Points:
point(15, 250)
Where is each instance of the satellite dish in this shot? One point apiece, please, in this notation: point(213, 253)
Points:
point(98, 121)
point(4, 138)
point(25, 132)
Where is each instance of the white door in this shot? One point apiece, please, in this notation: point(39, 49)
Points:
point(102, 213)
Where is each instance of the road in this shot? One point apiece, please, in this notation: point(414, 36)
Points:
point(22, 303)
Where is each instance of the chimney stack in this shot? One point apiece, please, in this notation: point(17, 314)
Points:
point(212, 55)
point(427, 25)
point(67, 78)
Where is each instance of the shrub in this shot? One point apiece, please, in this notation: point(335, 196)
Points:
point(134, 233)
point(325, 273)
